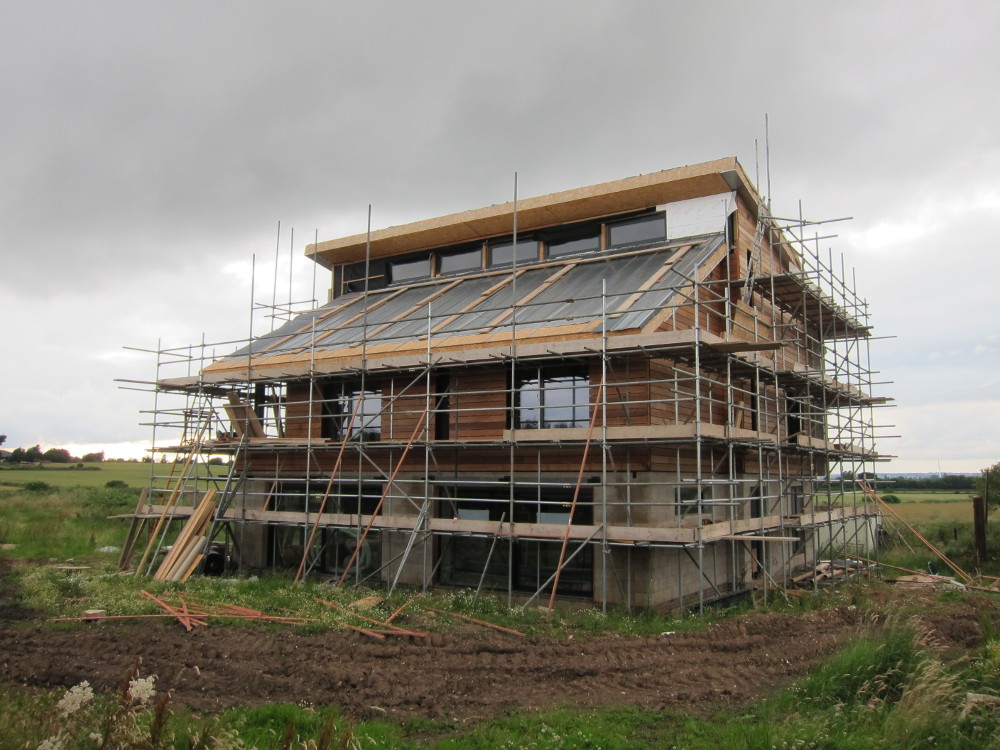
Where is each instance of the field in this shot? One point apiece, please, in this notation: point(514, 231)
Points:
point(861, 665)
point(933, 507)
point(90, 475)
point(68, 475)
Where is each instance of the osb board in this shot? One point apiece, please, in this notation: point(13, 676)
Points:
point(554, 209)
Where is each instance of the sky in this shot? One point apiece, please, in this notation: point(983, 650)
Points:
point(150, 150)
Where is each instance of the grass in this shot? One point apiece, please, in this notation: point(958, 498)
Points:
point(933, 506)
point(885, 690)
point(67, 524)
point(932, 496)
point(920, 513)
point(91, 475)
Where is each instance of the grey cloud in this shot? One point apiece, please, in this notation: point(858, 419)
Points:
point(144, 147)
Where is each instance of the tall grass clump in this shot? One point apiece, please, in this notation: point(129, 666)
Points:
point(874, 668)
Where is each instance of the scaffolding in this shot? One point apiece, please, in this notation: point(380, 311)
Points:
point(707, 455)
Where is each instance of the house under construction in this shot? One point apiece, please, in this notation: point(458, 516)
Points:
point(632, 393)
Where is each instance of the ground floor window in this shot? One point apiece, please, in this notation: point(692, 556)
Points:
point(332, 548)
point(468, 561)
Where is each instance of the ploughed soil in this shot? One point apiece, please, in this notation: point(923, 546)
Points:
point(466, 674)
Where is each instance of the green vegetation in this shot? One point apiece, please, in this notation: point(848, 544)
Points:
point(888, 689)
point(933, 506)
point(987, 484)
point(42, 522)
point(132, 473)
point(954, 539)
point(962, 482)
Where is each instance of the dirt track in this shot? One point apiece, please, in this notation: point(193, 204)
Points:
point(468, 674)
point(471, 674)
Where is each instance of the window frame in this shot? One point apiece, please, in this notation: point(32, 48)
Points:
point(547, 379)
point(640, 219)
point(337, 406)
point(508, 241)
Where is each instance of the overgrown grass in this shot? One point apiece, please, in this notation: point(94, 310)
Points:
point(63, 523)
point(58, 592)
point(955, 540)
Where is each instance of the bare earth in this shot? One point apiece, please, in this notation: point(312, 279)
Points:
point(468, 674)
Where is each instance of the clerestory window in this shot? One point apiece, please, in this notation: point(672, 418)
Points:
point(638, 231)
point(546, 397)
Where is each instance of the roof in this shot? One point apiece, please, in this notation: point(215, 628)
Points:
point(626, 291)
point(580, 204)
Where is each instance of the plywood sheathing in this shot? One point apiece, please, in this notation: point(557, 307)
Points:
point(595, 201)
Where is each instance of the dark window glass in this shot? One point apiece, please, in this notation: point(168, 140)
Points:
point(354, 276)
point(502, 253)
point(411, 269)
point(339, 402)
point(575, 245)
point(471, 561)
point(635, 231)
point(442, 408)
point(466, 260)
point(551, 399)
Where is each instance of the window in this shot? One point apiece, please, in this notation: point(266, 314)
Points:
point(688, 497)
point(368, 422)
point(354, 276)
point(502, 253)
point(793, 417)
point(477, 561)
point(339, 402)
point(411, 269)
point(643, 229)
point(465, 260)
point(442, 407)
point(568, 246)
point(551, 397)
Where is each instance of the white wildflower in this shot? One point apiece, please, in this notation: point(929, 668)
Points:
point(75, 698)
point(52, 743)
point(142, 689)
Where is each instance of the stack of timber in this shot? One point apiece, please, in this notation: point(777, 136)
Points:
point(189, 549)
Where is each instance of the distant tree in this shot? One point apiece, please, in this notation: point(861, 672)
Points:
point(987, 484)
point(33, 454)
point(17, 456)
point(57, 456)
point(93, 458)
point(3, 439)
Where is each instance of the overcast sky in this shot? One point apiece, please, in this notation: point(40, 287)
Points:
point(149, 150)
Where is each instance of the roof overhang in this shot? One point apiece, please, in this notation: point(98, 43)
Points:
point(554, 209)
